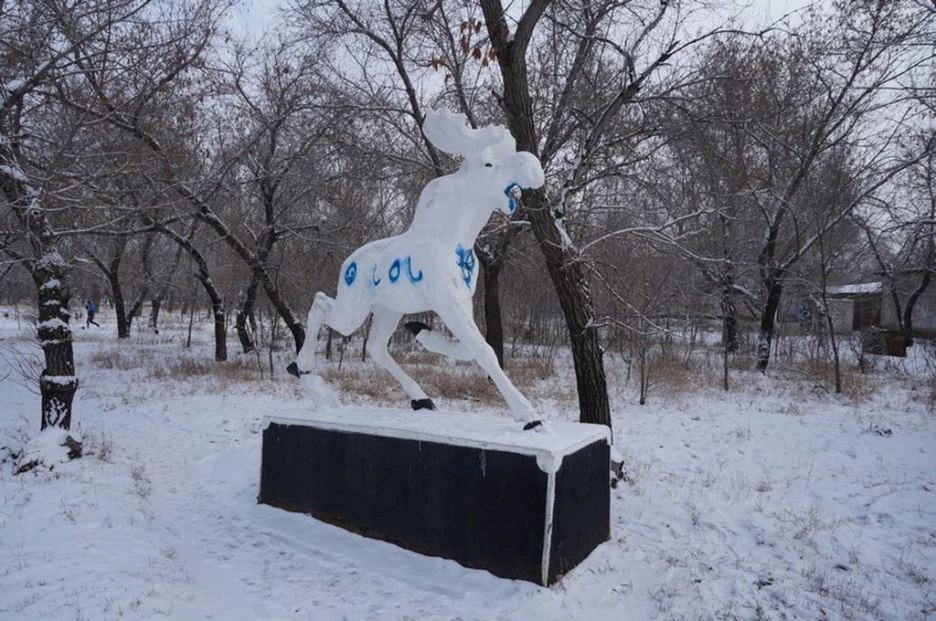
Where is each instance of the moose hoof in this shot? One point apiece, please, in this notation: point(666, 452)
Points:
point(423, 404)
point(533, 424)
point(293, 369)
point(414, 328)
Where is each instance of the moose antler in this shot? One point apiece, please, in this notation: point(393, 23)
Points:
point(448, 132)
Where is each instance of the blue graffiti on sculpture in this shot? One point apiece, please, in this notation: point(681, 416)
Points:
point(409, 272)
point(350, 273)
point(394, 273)
point(513, 203)
point(466, 263)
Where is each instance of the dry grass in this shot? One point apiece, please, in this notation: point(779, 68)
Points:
point(154, 363)
point(467, 384)
point(856, 386)
point(675, 376)
point(123, 359)
point(529, 371)
point(542, 374)
point(460, 382)
point(440, 378)
point(373, 383)
point(928, 396)
point(236, 370)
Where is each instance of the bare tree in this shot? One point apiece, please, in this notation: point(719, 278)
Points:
point(577, 135)
point(837, 82)
point(36, 56)
point(902, 237)
point(769, 115)
point(203, 274)
point(282, 160)
point(157, 109)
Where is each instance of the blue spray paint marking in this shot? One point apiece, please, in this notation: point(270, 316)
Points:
point(466, 263)
point(409, 271)
point(513, 203)
point(396, 269)
point(394, 273)
point(350, 273)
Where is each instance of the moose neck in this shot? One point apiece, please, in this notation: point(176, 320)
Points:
point(453, 209)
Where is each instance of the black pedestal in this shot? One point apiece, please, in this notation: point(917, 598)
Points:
point(478, 490)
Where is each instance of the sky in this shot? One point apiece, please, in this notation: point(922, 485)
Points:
point(252, 16)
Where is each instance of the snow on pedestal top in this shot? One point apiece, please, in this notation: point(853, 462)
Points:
point(549, 445)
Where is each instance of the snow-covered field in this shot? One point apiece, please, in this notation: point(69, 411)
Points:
point(776, 500)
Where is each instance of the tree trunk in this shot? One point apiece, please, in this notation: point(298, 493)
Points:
point(729, 318)
point(768, 324)
point(830, 326)
point(155, 305)
point(217, 311)
point(562, 261)
point(246, 313)
point(204, 277)
point(729, 311)
point(220, 327)
point(568, 277)
point(140, 295)
point(57, 382)
point(111, 272)
point(296, 329)
point(731, 326)
point(120, 305)
point(911, 302)
point(367, 329)
point(493, 323)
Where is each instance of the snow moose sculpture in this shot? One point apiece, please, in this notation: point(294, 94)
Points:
point(432, 266)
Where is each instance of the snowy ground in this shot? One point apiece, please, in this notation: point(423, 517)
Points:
point(776, 500)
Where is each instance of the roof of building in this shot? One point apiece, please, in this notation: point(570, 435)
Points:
point(856, 289)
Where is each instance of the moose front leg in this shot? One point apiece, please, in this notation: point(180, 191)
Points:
point(456, 315)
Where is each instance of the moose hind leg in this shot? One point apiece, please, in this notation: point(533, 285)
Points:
point(385, 322)
point(305, 359)
point(337, 314)
point(438, 343)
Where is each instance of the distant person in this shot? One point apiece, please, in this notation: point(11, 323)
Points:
point(805, 318)
point(91, 309)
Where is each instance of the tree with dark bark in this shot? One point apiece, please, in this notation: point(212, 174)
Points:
point(33, 58)
point(203, 274)
point(567, 272)
point(583, 139)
